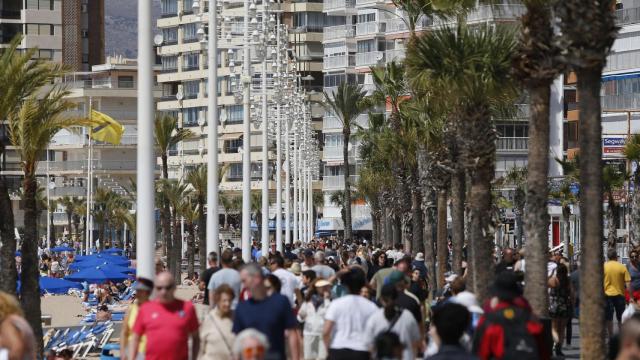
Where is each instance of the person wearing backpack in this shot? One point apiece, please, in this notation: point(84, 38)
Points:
point(508, 330)
point(392, 318)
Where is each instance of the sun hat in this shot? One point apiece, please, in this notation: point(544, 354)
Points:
point(469, 300)
point(295, 268)
point(420, 256)
point(322, 282)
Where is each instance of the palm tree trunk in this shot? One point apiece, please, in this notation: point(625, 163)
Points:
point(634, 224)
point(457, 219)
point(202, 235)
point(481, 229)
point(9, 245)
point(69, 215)
point(176, 250)
point(346, 133)
point(429, 251)
point(592, 331)
point(375, 235)
point(441, 244)
point(397, 229)
point(191, 252)
point(537, 216)
point(416, 221)
point(30, 288)
point(101, 235)
point(612, 223)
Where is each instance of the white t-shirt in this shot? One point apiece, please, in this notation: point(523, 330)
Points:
point(290, 283)
point(349, 315)
point(405, 327)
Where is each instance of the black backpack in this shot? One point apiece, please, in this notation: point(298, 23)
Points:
point(519, 343)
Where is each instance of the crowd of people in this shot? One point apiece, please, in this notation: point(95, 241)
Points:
point(327, 300)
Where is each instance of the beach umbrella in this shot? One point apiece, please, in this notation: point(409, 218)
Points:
point(57, 286)
point(98, 274)
point(98, 262)
point(62, 249)
point(102, 257)
point(122, 269)
point(112, 251)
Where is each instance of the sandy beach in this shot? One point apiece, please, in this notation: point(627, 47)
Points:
point(67, 310)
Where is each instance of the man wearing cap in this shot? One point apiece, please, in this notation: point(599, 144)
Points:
point(406, 300)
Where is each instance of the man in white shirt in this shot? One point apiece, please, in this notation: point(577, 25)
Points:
point(344, 327)
point(290, 282)
point(321, 269)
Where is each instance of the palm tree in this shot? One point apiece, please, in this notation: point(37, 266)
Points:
point(517, 178)
point(197, 178)
point(347, 104)
point(472, 67)
point(632, 153)
point(21, 76)
point(79, 212)
point(191, 213)
point(167, 136)
point(337, 198)
point(256, 210)
point(613, 179)
point(68, 202)
point(536, 66)
point(31, 129)
point(588, 31)
point(176, 193)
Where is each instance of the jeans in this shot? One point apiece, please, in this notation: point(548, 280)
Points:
point(614, 303)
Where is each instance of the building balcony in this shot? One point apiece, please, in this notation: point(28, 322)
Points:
point(620, 102)
point(628, 16)
point(370, 28)
point(338, 62)
point(512, 144)
point(331, 122)
point(68, 191)
point(338, 6)
point(368, 3)
point(396, 55)
point(338, 32)
point(81, 165)
point(623, 61)
point(498, 12)
point(337, 182)
point(399, 24)
point(372, 58)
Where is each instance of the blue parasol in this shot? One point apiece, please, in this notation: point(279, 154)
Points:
point(97, 274)
point(112, 251)
point(98, 262)
point(57, 286)
point(62, 249)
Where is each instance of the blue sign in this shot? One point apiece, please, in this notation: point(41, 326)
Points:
point(613, 141)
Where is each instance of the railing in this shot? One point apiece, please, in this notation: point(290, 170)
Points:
point(512, 143)
point(68, 191)
point(628, 16)
point(338, 32)
point(335, 62)
point(369, 58)
point(499, 12)
point(116, 114)
point(396, 24)
point(331, 122)
point(395, 55)
point(99, 84)
point(623, 60)
point(361, 3)
point(370, 28)
point(334, 5)
point(81, 165)
point(337, 182)
point(627, 101)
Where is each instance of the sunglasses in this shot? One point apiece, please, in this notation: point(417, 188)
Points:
point(254, 352)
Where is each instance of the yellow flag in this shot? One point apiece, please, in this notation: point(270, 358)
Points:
point(104, 128)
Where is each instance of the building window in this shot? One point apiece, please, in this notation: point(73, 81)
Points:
point(232, 146)
point(190, 61)
point(170, 36)
point(333, 140)
point(9, 31)
point(235, 114)
point(11, 9)
point(190, 116)
point(190, 89)
point(45, 54)
point(371, 17)
point(40, 29)
point(42, 4)
point(187, 6)
point(233, 84)
point(169, 63)
point(169, 8)
point(125, 82)
point(219, 87)
point(190, 32)
point(367, 46)
point(235, 171)
point(84, 33)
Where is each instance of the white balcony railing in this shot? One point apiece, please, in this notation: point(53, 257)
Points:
point(512, 143)
point(81, 165)
point(396, 55)
point(623, 60)
point(337, 62)
point(617, 102)
point(370, 28)
point(338, 32)
point(337, 182)
point(396, 25)
point(369, 58)
point(498, 12)
point(368, 3)
point(331, 122)
point(628, 16)
point(337, 5)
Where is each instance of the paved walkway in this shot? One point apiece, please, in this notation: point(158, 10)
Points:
point(573, 351)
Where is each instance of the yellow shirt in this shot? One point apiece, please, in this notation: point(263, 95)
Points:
point(133, 315)
point(616, 276)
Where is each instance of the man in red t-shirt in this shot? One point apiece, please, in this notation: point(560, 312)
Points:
point(167, 323)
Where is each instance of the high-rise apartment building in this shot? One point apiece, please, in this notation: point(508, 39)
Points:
point(369, 33)
point(183, 78)
point(67, 31)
